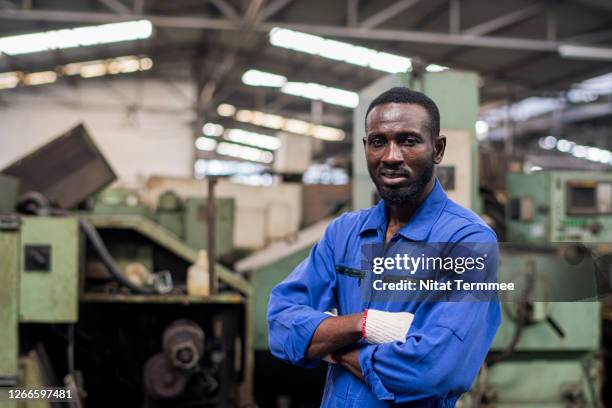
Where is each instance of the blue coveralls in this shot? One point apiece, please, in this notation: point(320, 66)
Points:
point(447, 342)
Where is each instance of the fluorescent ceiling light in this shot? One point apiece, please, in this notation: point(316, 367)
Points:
point(111, 66)
point(93, 70)
point(297, 126)
point(76, 37)
point(339, 51)
point(309, 90)
point(226, 167)
point(391, 63)
point(589, 89)
point(124, 65)
point(212, 129)
point(245, 152)
point(584, 52)
point(253, 139)
point(278, 122)
point(590, 153)
point(327, 133)
point(226, 110)
point(435, 68)
point(323, 93)
point(268, 120)
point(87, 69)
point(206, 144)
point(548, 142)
point(254, 77)
point(482, 127)
point(9, 80)
point(40, 78)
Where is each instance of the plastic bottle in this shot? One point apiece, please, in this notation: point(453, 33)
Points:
point(198, 278)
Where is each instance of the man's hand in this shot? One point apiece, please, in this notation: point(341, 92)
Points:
point(349, 360)
point(335, 338)
point(335, 333)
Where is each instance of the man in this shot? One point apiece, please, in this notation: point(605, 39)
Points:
point(412, 353)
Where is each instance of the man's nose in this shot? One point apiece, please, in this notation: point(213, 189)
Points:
point(393, 154)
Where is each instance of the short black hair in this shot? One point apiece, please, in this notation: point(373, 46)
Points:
point(400, 94)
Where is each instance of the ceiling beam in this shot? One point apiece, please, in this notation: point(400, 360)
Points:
point(138, 6)
point(454, 16)
point(225, 8)
point(388, 13)
point(569, 115)
point(425, 37)
point(592, 37)
point(431, 15)
point(487, 27)
point(273, 8)
point(253, 11)
point(504, 21)
point(596, 4)
point(206, 23)
point(352, 13)
point(202, 23)
point(116, 6)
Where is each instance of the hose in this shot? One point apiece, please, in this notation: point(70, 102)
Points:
point(96, 241)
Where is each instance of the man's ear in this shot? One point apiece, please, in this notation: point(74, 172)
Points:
point(364, 143)
point(439, 148)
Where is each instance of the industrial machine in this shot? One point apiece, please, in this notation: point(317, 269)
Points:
point(558, 225)
point(186, 218)
point(560, 206)
point(96, 301)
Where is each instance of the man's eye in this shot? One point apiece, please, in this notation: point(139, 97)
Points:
point(377, 142)
point(409, 141)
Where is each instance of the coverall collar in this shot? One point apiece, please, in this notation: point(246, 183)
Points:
point(421, 222)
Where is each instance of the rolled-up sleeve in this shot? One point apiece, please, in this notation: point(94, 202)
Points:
point(444, 348)
point(297, 304)
point(436, 361)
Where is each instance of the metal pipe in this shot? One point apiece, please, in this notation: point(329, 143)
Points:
point(211, 214)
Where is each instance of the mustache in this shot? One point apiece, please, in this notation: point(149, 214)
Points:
point(394, 172)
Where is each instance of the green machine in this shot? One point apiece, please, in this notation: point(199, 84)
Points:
point(96, 301)
point(9, 187)
point(548, 346)
point(57, 294)
point(560, 206)
point(186, 218)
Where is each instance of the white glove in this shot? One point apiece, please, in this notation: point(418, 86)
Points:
point(385, 327)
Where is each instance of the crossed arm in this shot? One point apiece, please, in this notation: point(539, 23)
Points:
point(334, 337)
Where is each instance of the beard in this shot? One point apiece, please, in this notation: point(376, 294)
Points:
point(405, 195)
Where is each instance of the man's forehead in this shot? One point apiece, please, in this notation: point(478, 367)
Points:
point(404, 114)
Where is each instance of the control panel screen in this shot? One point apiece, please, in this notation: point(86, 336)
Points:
point(589, 198)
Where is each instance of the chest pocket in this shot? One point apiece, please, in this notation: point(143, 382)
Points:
point(349, 288)
point(351, 272)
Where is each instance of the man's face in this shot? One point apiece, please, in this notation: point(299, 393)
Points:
point(401, 152)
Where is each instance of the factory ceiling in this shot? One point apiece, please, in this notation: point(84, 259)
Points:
point(516, 46)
